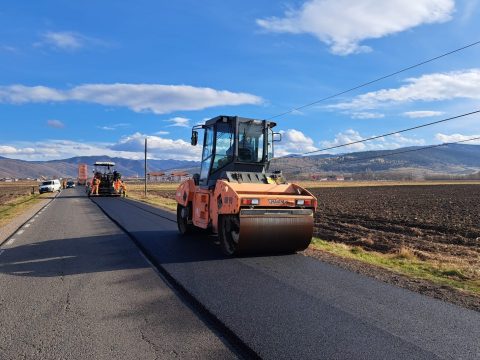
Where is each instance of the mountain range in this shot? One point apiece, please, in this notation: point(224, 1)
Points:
point(450, 159)
point(68, 167)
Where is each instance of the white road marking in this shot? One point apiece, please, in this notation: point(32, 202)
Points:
point(27, 226)
point(20, 232)
point(1, 252)
point(10, 242)
point(33, 220)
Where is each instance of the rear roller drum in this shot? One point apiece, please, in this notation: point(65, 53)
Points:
point(183, 216)
point(229, 233)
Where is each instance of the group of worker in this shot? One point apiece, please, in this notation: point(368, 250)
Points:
point(118, 185)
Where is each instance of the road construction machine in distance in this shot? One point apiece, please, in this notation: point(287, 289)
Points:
point(108, 176)
point(235, 195)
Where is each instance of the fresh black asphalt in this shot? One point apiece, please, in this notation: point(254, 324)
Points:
point(74, 286)
point(296, 307)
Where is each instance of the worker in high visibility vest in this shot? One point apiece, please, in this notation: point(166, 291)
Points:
point(123, 187)
point(96, 185)
point(116, 185)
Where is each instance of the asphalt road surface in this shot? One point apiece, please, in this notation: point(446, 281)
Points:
point(74, 286)
point(296, 307)
point(77, 287)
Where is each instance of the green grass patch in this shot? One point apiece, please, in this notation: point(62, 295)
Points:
point(406, 263)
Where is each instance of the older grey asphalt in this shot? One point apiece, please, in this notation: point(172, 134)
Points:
point(295, 307)
point(74, 286)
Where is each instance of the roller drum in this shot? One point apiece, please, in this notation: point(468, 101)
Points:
point(271, 231)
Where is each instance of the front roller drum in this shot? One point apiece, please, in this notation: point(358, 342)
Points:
point(257, 231)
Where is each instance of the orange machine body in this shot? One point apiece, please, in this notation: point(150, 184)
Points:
point(229, 198)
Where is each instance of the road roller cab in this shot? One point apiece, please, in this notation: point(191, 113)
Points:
point(235, 195)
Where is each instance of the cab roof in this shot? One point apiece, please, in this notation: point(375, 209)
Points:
point(104, 163)
point(224, 118)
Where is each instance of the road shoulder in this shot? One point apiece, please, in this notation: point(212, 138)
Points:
point(13, 225)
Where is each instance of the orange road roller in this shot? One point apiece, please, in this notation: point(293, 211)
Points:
point(235, 195)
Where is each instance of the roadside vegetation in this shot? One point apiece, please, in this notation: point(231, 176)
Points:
point(16, 198)
point(158, 194)
point(405, 262)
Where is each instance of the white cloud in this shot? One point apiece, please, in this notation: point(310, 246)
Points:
point(367, 115)
point(65, 40)
point(112, 127)
point(343, 24)
point(58, 149)
point(159, 147)
point(432, 87)
point(294, 142)
point(130, 147)
point(161, 132)
point(179, 121)
point(422, 114)
point(55, 124)
point(11, 150)
point(351, 135)
point(345, 137)
point(155, 98)
point(444, 138)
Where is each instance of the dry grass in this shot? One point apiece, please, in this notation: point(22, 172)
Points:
point(406, 262)
point(17, 206)
point(405, 253)
point(156, 194)
point(139, 187)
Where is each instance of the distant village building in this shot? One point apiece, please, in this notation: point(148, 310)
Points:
point(180, 176)
point(337, 178)
point(160, 176)
point(156, 176)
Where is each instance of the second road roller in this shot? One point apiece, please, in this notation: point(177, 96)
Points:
point(252, 209)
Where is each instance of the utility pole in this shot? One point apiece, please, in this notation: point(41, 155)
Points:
point(145, 190)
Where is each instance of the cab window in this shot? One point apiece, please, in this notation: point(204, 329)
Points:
point(224, 147)
point(270, 144)
point(250, 142)
point(207, 154)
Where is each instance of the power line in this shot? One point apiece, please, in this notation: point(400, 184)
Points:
point(406, 151)
point(392, 133)
point(376, 80)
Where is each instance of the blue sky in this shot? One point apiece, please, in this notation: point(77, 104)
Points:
point(97, 77)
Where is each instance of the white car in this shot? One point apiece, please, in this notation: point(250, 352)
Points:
point(49, 186)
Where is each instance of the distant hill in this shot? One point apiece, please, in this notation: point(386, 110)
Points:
point(68, 167)
point(448, 159)
point(451, 159)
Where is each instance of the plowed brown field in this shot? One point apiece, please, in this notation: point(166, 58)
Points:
point(439, 222)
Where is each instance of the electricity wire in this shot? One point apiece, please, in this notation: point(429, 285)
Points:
point(404, 151)
point(376, 80)
point(392, 133)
